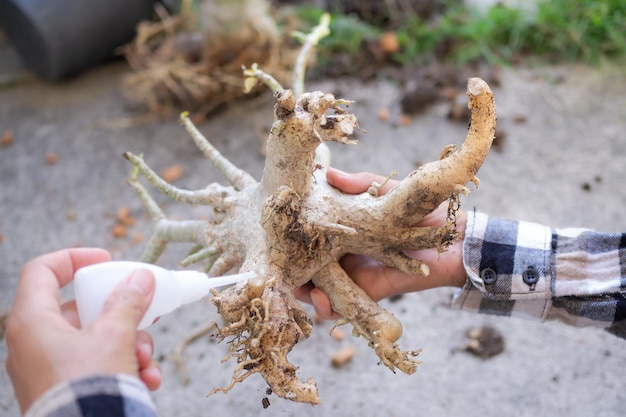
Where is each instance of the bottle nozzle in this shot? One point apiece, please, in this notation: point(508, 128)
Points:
point(196, 285)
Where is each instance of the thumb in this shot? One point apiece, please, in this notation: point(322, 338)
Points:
point(356, 183)
point(129, 301)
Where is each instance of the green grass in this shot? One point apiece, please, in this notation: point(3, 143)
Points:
point(587, 30)
point(347, 32)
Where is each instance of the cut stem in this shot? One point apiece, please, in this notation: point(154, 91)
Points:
point(237, 177)
point(208, 196)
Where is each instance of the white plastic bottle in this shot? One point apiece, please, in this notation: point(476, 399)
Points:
point(94, 283)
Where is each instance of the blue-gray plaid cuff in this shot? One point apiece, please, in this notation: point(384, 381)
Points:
point(523, 269)
point(100, 395)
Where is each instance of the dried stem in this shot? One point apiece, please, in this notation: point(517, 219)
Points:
point(237, 177)
point(310, 41)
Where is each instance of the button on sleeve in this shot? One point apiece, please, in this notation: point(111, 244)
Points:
point(488, 276)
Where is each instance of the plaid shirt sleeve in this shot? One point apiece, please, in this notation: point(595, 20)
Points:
point(101, 395)
point(522, 269)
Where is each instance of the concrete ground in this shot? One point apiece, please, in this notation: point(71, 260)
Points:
point(563, 166)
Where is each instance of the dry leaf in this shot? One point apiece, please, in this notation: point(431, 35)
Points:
point(172, 173)
point(343, 356)
point(52, 158)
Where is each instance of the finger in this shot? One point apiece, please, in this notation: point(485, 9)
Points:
point(151, 376)
point(43, 277)
point(437, 217)
point(351, 262)
point(372, 276)
point(144, 349)
point(323, 307)
point(70, 313)
point(130, 299)
point(304, 292)
point(355, 183)
point(381, 281)
point(378, 280)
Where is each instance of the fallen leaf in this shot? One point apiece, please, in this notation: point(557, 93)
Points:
point(389, 43)
point(343, 356)
point(172, 173)
point(383, 114)
point(7, 138)
point(52, 158)
point(119, 231)
point(124, 217)
point(337, 334)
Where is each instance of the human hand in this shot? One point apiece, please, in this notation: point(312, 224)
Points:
point(45, 342)
point(379, 280)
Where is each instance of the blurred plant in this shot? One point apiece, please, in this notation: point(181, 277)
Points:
point(495, 34)
point(589, 29)
point(191, 60)
point(418, 41)
point(347, 32)
point(559, 29)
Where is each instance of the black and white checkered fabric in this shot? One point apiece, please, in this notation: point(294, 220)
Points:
point(97, 396)
point(523, 269)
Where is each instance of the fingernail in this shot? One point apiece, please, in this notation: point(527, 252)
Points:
point(142, 281)
point(313, 299)
point(146, 348)
point(330, 178)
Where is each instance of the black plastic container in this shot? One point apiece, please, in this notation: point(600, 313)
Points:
point(58, 38)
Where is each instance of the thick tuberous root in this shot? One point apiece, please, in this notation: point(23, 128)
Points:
point(380, 328)
point(261, 338)
point(294, 227)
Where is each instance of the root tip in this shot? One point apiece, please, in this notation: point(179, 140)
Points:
point(477, 86)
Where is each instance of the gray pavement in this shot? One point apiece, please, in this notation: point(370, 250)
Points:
point(563, 166)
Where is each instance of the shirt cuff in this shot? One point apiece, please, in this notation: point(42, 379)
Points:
point(95, 396)
point(506, 261)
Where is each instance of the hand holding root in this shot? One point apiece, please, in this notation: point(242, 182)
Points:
point(300, 227)
point(380, 281)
